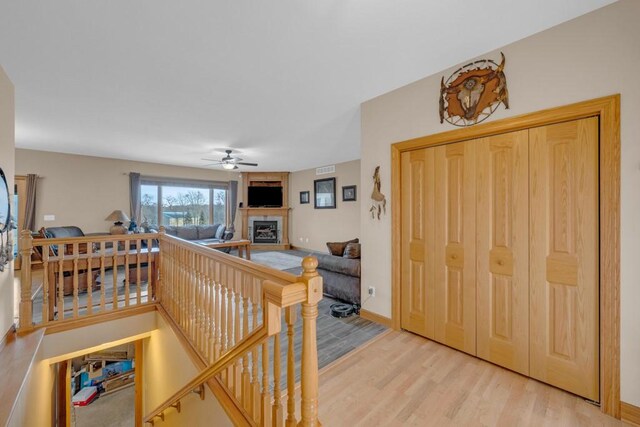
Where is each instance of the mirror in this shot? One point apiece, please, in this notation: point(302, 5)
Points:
point(5, 216)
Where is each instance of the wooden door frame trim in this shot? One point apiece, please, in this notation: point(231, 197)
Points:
point(607, 109)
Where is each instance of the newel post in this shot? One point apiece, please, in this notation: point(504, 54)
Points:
point(26, 307)
point(309, 377)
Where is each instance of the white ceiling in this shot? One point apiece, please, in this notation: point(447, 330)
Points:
point(281, 80)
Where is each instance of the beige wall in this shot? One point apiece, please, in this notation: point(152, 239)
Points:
point(167, 367)
point(595, 55)
point(75, 342)
point(38, 387)
point(7, 152)
point(312, 228)
point(83, 190)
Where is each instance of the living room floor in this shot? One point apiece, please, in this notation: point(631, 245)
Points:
point(401, 379)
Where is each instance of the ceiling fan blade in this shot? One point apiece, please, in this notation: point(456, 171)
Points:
point(210, 160)
point(246, 164)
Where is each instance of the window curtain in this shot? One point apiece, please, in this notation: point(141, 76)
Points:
point(30, 207)
point(233, 204)
point(134, 192)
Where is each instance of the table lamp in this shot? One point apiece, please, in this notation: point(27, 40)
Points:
point(118, 217)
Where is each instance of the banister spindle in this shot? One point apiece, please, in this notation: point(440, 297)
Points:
point(276, 409)
point(26, 308)
point(290, 318)
point(75, 278)
point(89, 278)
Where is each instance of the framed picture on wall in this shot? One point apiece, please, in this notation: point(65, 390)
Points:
point(324, 193)
point(349, 193)
point(304, 197)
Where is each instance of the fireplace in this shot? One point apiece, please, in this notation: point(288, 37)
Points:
point(265, 232)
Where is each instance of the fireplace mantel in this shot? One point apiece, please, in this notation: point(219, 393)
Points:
point(267, 178)
point(264, 213)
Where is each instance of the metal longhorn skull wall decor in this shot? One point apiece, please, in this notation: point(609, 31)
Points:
point(473, 92)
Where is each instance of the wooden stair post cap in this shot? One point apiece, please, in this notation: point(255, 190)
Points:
point(309, 265)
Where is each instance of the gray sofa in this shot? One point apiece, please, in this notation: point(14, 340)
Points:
point(216, 233)
point(340, 277)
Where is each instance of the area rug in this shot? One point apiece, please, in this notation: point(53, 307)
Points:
point(277, 260)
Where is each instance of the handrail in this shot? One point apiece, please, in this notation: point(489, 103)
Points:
point(96, 238)
point(265, 273)
point(252, 340)
point(76, 267)
point(276, 297)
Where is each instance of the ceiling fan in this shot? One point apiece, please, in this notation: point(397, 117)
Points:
point(228, 162)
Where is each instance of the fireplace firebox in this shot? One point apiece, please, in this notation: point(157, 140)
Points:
point(265, 232)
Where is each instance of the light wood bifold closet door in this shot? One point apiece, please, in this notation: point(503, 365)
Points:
point(564, 255)
point(503, 250)
point(438, 244)
point(418, 240)
point(500, 250)
point(455, 247)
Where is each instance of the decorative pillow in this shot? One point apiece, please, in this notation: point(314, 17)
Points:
point(337, 248)
point(207, 231)
point(352, 251)
point(220, 232)
point(188, 232)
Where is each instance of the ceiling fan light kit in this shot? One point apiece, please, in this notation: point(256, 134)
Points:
point(230, 163)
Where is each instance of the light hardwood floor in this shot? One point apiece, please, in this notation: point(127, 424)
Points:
point(402, 379)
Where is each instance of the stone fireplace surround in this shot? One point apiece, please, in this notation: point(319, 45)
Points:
point(277, 219)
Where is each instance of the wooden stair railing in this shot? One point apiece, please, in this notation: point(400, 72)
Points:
point(219, 302)
point(275, 297)
point(69, 271)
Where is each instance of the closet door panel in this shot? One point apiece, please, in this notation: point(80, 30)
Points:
point(455, 288)
point(503, 250)
point(564, 256)
point(417, 271)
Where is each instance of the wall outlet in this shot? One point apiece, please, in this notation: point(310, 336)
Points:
point(372, 291)
point(301, 239)
point(49, 217)
point(306, 240)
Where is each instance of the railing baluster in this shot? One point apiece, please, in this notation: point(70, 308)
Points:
point(276, 410)
point(230, 321)
point(60, 282)
point(237, 368)
point(139, 272)
point(75, 279)
point(223, 316)
point(265, 407)
point(127, 247)
point(46, 316)
point(114, 270)
point(255, 378)
point(202, 327)
point(246, 374)
point(151, 269)
point(216, 312)
point(211, 311)
point(26, 305)
point(290, 318)
point(103, 278)
point(89, 253)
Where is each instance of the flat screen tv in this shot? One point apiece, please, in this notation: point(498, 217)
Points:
point(265, 197)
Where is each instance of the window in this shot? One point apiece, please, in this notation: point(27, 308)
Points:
point(173, 202)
